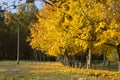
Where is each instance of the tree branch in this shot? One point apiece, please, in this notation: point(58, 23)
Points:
point(47, 2)
point(110, 44)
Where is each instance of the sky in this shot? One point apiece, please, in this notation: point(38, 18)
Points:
point(10, 2)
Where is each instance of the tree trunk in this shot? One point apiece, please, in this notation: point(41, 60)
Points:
point(40, 55)
point(44, 58)
point(104, 58)
point(89, 59)
point(119, 66)
point(118, 51)
point(18, 55)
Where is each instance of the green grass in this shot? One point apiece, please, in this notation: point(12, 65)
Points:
point(101, 66)
point(14, 63)
point(27, 70)
point(9, 70)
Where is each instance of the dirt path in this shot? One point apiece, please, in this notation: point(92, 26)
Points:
point(12, 68)
point(8, 71)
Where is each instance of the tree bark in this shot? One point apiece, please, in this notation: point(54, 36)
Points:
point(89, 59)
point(44, 58)
point(18, 36)
point(118, 51)
point(119, 66)
point(104, 58)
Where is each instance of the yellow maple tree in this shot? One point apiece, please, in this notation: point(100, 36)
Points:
point(76, 26)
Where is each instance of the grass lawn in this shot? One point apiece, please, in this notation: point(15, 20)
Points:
point(27, 70)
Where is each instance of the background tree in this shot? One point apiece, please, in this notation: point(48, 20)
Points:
point(18, 15)
point(21, 18)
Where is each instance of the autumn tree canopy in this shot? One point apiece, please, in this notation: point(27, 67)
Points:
point(75, 26)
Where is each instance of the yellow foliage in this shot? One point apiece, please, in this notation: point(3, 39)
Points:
point(76, 26)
